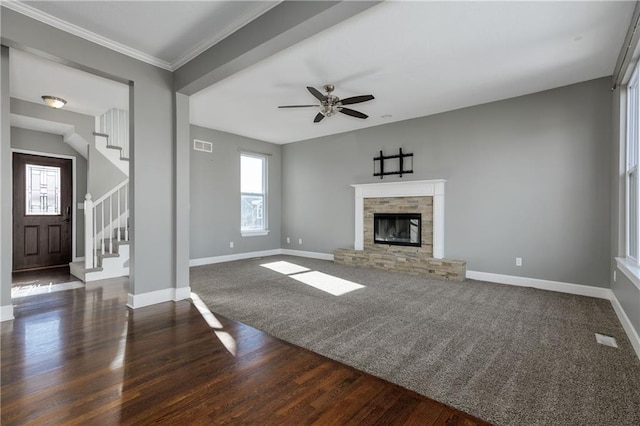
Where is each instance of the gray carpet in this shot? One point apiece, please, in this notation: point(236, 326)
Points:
point(509, 355)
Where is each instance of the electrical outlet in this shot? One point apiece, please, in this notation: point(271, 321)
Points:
point(288, 240)
point(231, 244)
point(518, 261)
point(300, 241)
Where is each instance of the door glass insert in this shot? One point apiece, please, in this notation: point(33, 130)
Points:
point(43, 190)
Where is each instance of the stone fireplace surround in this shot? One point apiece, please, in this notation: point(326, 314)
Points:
point(425, 197)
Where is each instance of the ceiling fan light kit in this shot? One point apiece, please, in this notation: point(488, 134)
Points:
point(330, 104)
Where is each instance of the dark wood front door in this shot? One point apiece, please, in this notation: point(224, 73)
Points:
point(42, 189)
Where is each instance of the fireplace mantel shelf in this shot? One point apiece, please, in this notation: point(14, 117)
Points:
point(417, 188)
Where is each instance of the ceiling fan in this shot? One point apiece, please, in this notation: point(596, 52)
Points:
point(331, 104)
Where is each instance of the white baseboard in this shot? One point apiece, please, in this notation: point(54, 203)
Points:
point(182, 293)
point(232, 257)
point(264, 253)
point(6, 313)
point(309, 254)
point(632, 333)
point(579, 289)
point(135, 301)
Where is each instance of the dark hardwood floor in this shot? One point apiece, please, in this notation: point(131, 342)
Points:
point(81, 357)
point(42, 276)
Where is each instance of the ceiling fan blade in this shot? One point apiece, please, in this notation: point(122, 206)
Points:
point(318, 95)
point(318, 118)
point(356, 99)
point(297, 106)
point(352, 113)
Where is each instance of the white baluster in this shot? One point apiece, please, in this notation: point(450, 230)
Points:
point(119, 215)
point(111, 224)
point(102, 227)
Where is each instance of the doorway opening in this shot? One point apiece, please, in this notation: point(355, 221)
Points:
point(42, 211)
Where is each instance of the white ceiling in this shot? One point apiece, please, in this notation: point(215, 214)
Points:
point(416, 58)
point(31, 77)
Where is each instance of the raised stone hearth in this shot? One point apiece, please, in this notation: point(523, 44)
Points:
point(423, 197)
point(448, 269)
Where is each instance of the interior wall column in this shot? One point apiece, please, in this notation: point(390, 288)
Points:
point(182, 190)
point(6, 204)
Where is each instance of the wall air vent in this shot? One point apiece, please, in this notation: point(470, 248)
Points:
point(203, 146)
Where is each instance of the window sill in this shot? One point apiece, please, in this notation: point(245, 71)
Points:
point(630, 269)
point(254, 233)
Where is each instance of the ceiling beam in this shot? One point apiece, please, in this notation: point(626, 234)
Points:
point(283, 26)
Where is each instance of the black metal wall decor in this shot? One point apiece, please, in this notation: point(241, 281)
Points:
point(382, 166)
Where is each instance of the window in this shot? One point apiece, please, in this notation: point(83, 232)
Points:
point(632, 210)
point(43, 190)
point(253, 194)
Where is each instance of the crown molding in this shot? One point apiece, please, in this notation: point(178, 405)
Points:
point(222, 34)
point(31, 12)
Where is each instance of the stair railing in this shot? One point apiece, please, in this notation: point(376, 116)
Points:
point(109, 212)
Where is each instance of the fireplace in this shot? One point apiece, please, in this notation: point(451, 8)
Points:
point(416, 208)
point(398, 229)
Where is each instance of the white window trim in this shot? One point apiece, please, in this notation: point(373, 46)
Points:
point(630, 269)
point(631, 166)
point(265, 194)
point(260, 233)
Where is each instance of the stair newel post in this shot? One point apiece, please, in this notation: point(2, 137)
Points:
point(88, 232)
point(111, 224)
point(126, 209)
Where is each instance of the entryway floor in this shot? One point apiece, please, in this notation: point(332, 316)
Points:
point(39, 281)
point(56, 275)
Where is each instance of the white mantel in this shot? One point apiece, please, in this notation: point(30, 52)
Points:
point(417, 188)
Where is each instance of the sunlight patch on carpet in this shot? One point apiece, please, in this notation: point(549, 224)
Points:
point(286, 268)
point(327, 283)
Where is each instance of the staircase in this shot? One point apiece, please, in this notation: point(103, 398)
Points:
point(107, 218)
point(112, 138)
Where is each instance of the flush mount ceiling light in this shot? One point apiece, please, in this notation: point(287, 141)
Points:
point(54, 102)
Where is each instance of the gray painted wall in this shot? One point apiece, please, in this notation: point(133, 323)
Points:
point(153, 169)
point(215, 195)
point(47, 143)
point(183, 190)
point(527, 177)
point(6, 216)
